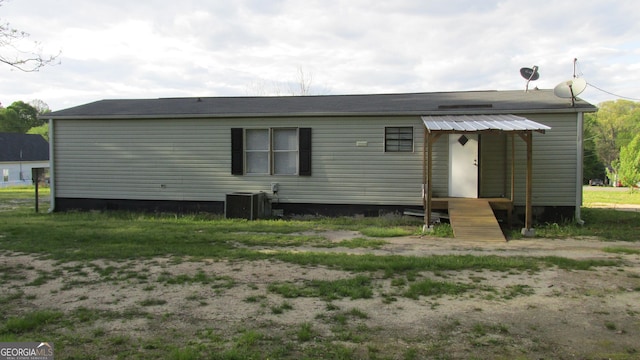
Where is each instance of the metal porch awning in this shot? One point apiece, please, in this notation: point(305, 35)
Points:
point(480, 123)
point(437, 125)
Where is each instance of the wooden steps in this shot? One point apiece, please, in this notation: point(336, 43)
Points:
point(473, 219)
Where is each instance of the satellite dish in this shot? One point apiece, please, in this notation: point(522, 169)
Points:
point(530, 74)
point(570, 89)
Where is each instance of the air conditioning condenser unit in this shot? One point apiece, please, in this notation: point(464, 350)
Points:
point(245, 205)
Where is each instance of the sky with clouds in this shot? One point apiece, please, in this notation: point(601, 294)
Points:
point(161, 48)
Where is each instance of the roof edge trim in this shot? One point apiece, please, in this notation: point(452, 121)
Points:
point(313, 114)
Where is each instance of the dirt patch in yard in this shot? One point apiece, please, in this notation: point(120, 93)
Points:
point(548, 313)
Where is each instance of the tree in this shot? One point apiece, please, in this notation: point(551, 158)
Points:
point(300, 87)
point(40, 106)
point(629, 164)
point(10, 121)
point(19, 117)
point(593, 168)
point(613, 126)
point(27, 113)
point(42, 130)
point(14, 54)
point(303, 84)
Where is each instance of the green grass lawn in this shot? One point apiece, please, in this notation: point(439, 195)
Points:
point(610, 196)
point(607, 224)
point(69, 236)
point(122, 235)
point(22, 193)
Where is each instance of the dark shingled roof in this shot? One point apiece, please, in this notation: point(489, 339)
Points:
point(464, 102)
point(32, 147)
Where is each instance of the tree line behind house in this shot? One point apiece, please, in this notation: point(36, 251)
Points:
point(612, 143)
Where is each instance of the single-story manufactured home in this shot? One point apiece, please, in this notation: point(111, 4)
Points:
point(19, 154)
point(333, 154)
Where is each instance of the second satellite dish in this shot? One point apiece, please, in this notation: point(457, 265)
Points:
point(530, 74)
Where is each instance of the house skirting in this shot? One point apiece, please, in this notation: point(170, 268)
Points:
point(541, 214)
point(82, 204)
point(547, 214)
point(217, 207)
point(366, 210)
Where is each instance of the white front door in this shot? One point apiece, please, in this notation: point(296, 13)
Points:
point(463, 165)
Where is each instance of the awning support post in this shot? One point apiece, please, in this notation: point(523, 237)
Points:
point(429, 140)
point(528, 230)
point(513, 178)
point(426, 199)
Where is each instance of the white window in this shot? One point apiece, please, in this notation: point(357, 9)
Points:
point(5, 175)
point(257, 151)
point(285, 151)
point(271, 151)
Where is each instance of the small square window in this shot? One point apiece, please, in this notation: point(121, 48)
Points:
point(398, 139)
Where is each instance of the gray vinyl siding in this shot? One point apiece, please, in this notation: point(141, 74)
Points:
point(493, 172)
point(440, 170)
point(554, 162)
point(191, 160)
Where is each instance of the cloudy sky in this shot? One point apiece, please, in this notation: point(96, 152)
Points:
point(161, 48)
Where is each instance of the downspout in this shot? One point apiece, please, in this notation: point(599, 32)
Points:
point(579, 167)
point(52, 178)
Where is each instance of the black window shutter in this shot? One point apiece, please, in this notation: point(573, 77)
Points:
point(304, 148)
point(237, 150)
